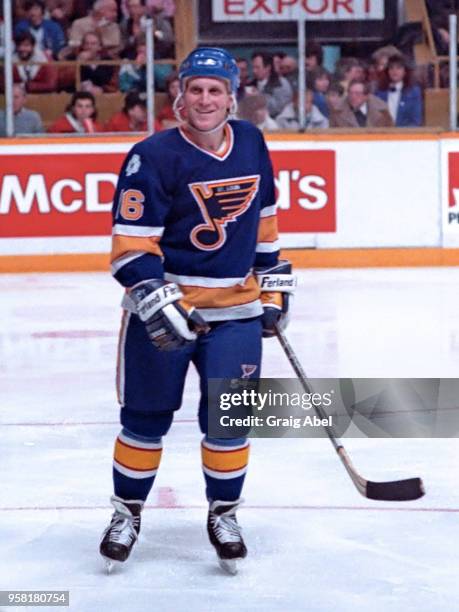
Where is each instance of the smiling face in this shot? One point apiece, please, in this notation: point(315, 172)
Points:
point(206, 103)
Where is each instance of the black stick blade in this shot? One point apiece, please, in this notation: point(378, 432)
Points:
point(397, 490)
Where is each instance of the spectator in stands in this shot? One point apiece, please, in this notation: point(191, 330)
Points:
point(289, 70)
point(314, 55)
point(254, 108)
point(35, 77)
point(133, 117)
point(95, 77)
point(80, 116)
point(133, 75)
point(276, 89)
point(102, 20)
point(48, 34)
point(361, 109)
point(134, 25)
point(379, 60)
point(403, 98)
point(166, 117)
point(26, 121)
point(289, 118)
point(244, 77)
point(319, 80)
point(278, 56)
point(335, 96)
point(62, 12)
point(349, 69)
point(164, 34)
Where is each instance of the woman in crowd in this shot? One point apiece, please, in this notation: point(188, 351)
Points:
point(403, 97)
point(319, 81)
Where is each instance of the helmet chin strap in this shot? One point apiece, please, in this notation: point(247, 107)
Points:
point(211, 131)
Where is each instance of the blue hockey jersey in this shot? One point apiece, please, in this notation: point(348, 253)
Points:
point(198, 218)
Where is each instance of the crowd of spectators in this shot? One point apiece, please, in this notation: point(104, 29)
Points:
point(106, 39)
point(381, 92)
point(89, 32)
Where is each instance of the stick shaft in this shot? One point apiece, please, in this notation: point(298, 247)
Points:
point(301, 374)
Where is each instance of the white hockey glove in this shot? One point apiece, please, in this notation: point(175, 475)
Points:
point(170, 321)
point(277, 285)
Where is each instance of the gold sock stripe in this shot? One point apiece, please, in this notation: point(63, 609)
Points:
point(134, 458)
point(225, 460)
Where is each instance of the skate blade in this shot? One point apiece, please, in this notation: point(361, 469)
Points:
point(230, 566)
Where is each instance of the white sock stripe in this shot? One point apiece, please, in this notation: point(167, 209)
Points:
point(224, 475)
point(138, 444)
point(133, 473)
point(217, 447)
point(121, 363)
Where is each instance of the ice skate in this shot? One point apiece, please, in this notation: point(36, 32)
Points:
point(120, 536)
point(225, 534)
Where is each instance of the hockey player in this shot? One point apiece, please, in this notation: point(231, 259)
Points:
point(194, 222)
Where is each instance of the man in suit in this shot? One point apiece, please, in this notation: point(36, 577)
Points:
point(361, 109)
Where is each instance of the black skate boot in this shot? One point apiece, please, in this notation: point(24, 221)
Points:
point(122, 533)
point(225, 534)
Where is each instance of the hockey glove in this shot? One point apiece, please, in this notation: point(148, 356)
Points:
point(170, 321)
point(277, 285)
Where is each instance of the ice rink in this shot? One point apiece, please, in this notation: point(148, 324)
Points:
point(314, 543)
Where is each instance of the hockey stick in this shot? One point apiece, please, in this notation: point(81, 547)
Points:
point(396, 490)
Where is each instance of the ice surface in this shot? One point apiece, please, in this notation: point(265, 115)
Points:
point(314, 543)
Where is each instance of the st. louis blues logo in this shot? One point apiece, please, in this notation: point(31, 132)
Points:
point(220, 203)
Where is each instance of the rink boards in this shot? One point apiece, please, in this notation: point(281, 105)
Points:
point(349, 199)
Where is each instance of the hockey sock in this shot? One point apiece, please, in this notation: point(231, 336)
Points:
point(224, 463)
point(136, 461)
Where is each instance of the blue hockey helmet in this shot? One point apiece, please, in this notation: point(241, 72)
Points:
point(211, 62)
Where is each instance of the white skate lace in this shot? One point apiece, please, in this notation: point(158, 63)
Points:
point(122, 529)
point(225, 527)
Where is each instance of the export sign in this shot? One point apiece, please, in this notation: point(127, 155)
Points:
point(71, 193)
point(294, 10)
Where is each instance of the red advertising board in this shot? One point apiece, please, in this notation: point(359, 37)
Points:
point(306, 190)
point(70, 194)
point(453, 185)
